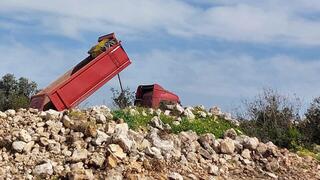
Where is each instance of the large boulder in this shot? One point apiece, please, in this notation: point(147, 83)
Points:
point(215, 111)
point(204, 153)
point(43, 169)
point(101, 138)
point(67, 122)
point(54, 127)
point(213, 170)
point(112, 161)
point(189, 141)
point(120, 137)
point(273, 149)
point(53, 114)
point(262, 148)
point(246, 153)
point(227, 146)
point(175, 176)
point(154, 152)
point(3, 115)
point(101, 118)
point(156, 122)
point(250, 143)
point(10, 112)
point(178, 108)
point(28, 147)
point(18, 146)
point(230, 133)
point(189, 114)
point(25, 136)
point(202, 114)
point(206, 141)
point(97, 159)
point(117, 151)
point(79, 155)
point(165, 145)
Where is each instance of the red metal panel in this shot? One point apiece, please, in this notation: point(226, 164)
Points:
point(147, 99)
point(90, 78)
point(57, 101)
point(155, 102)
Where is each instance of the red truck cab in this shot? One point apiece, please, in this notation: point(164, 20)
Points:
point(153, 96)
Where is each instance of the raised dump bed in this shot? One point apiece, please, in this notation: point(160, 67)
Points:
point(83, 80)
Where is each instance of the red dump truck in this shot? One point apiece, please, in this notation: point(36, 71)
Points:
point(153, 96)
point(92, 73)
point(84, 79)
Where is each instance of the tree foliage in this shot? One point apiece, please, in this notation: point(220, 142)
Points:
point(311, 125)
point(122, 99)
point(272, 117)
point(15, 93)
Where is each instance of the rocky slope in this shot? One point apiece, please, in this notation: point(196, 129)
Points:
point(91, 144)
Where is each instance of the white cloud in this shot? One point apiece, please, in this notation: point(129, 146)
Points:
point(42, 63)
point(223, 79)
point(271, 21)
point(208, 77)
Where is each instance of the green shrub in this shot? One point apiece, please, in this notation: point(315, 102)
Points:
point(272, 117)
point(122, 99)
point(15, 94)
point(311, 125)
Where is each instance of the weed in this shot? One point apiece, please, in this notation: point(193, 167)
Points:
point(214, 125)
point(77, 115)
point(204, 125)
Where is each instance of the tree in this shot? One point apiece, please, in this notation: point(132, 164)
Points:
point(272, 117)
point(26, 88)
point(8, 84)
point(122, 99)
point(15, 93)
point(311, 125)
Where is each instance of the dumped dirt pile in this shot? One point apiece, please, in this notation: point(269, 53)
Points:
point(91, 144)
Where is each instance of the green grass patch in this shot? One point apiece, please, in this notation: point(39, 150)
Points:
point(77, 115)
point(215, 126)
point(199, 125)
point(303, 152)
point(318, 156)
point(134, 122)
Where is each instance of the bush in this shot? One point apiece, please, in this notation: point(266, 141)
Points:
point(15, 93)
point(272, 117)
point(122, 99)
point(311, 125)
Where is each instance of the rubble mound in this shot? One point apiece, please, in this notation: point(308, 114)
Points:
point(91, 144)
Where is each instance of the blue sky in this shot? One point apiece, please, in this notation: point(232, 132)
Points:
point(208, 52)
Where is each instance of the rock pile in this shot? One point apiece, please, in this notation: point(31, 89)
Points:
point(91, 144)
point(192, 112)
